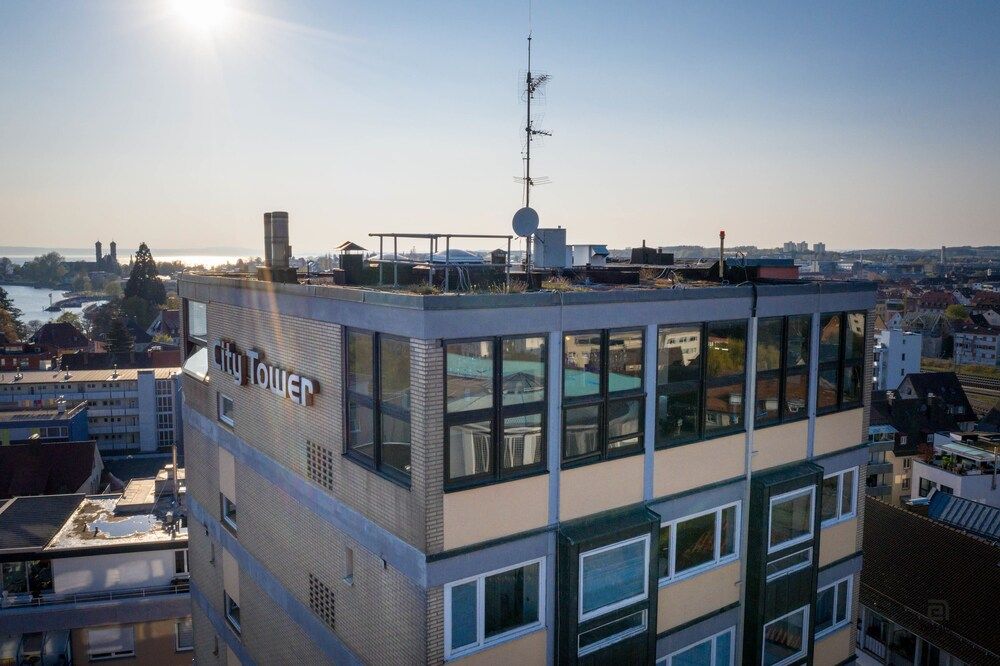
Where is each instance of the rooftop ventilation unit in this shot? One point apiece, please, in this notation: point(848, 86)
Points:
point(277, 251)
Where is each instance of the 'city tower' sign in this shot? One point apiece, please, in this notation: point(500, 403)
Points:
point(250, 368)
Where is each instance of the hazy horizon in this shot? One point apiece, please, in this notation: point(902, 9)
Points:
point(853, 124)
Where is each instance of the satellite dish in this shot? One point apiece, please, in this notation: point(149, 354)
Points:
point(525, 222)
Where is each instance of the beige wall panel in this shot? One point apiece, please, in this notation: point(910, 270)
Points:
point(481, 514)
point(599, 487)
point(841, 430)
point(833, 648)
point(227, 474)
point(685, 467)
point(838, 541)
point(155, 644)
point(525, 651)
point(780, 444)
point(699, 595)
point(230, 576)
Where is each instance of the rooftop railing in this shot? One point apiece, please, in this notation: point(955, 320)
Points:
point(11, 601)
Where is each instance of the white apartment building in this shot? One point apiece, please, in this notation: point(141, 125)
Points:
point(897, 354)
point(977, 346)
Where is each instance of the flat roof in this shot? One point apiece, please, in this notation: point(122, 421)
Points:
point(96, 524)
point(19, 413)
point(59, 376)
point(29, 523)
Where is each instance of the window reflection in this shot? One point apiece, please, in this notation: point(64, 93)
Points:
point(582, 364)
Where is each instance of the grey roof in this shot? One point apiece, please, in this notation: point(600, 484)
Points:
point(29, 523)
point(965, 514)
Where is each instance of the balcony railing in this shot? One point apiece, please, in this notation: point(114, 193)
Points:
point(29, 601)
point(881, 490)
point(880, 468)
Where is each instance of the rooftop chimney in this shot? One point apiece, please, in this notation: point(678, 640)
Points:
point(277, 251)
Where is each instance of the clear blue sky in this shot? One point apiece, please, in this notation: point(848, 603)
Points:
point(858, 124)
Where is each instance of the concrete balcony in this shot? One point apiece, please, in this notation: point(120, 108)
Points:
point(881, 446)
point(880, 468)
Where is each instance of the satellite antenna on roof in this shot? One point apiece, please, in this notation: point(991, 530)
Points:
point(526, 219)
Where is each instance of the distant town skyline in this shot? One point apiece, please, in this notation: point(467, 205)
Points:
point(852, 124)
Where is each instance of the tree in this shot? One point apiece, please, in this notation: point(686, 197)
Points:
point(71, 318)
point(113, 289)
point(11, 323)
point(119, 338)
point(138, 309)
point(956, 312)
point(143, 281)
point(47, 270)
point(81, 283)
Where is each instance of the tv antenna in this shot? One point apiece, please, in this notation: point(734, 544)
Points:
point(526, 219)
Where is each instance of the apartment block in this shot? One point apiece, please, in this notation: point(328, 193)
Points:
point(128, 410)
point(617, 475)
point(89, 578)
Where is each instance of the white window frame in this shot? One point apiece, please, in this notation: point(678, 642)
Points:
point(107, 656)
point(234, 623)
point(482, 642)
point(187, 563)
point(836, 626)
point(731, 631)
point(718, 559)
point(805, 636)
point(177, 635)
point(225, 514)
point(603, 610)
point(228, 420)
point(808, 490)
point(840, 517)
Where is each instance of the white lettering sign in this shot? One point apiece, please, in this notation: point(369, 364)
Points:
point(250, 368)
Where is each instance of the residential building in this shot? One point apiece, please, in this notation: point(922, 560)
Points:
point(129, 410)
point(928, 591)
point(963, 464)
point(168, 323)
point(602, 476)
point(48, 420)
point(58, 338)
point(19, 356)
point(897, 354)
point(935, 302)
point(90, 578)
point(50, 468)
point(933, 327)
point(929, 387)
point(977, 345)
point(819, 248)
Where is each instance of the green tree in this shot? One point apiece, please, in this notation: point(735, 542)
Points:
point(119, 338)
point(113, 289)
point(138, 309)
point(956, 312)
point(81, 282)
point(72, 319)
point(13, 328)
point(143, 281)
point(47, 270)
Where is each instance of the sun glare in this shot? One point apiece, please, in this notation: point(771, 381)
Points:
point(205, 15)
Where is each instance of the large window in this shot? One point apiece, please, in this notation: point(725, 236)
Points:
point(603, 400)
point(833, 606)
point(613, 577)
point(493, 607)
point(791, 518)
point(378, 402)
point(110, 642)
point(839, 496)
point(783, 348)
point(695, 543)
point(32, 577)
point(495, 411)
point(713, 651)
point(841, 359)
point(196, 339)
point(785, 638)
point(700, 374)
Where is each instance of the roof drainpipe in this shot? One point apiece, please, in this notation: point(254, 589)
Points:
point(748, 416)
point(722, 254)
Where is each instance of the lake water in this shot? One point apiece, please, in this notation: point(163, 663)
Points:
point(32, 302)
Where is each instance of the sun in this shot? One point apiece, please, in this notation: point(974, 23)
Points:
point(204, 15)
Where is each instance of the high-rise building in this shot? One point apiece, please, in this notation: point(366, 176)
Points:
point(597, 476)
point(897, 354)
point(819, 248)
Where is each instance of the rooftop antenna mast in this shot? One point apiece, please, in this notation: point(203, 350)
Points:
point(526, 219)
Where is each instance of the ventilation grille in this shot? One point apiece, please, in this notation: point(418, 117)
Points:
point(321, 601)
point(319, 464)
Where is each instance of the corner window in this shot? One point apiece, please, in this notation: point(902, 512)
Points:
point(695, 543)
point(841, 359)
point(493, 607)
point(700, 376)
point(603, 400)
point(713, 651)
point(228, 512)
point(832, 607)
point(838, 496)
point(183, 635)
point(226, 410)
point(613, 577)
point(378, 402)
point(110, 642)
point(495, 409)
point(196, 340)
point(783, 353)
point(232, 612)
point(785, 638)
point(791, 519)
